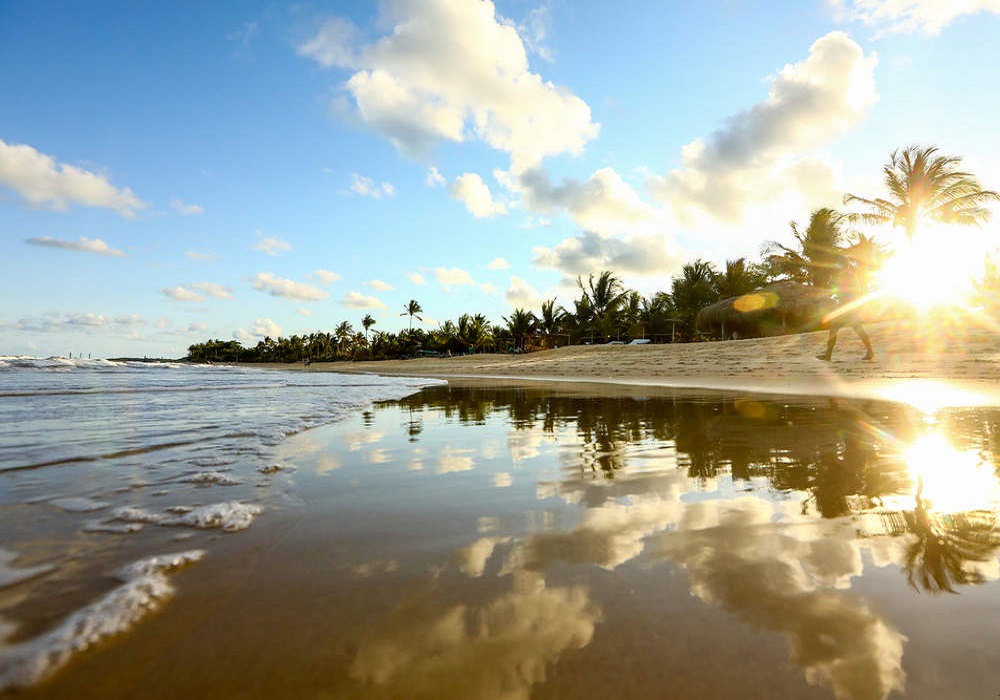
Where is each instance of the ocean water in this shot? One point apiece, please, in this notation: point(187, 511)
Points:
point(522, 541)
point(112, 473)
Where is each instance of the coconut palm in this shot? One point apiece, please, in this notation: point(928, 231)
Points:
point(605, 297)
point(693, 290)
point(413, 310)
point(924, 186)
point(367, 322)
point(521, 324)
point(739, 278)
point(819, 250)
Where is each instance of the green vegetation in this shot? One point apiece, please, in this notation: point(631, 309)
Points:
point(922, 186)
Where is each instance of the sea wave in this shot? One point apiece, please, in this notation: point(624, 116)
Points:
point(145, 588)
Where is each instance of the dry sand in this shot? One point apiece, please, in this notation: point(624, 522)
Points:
point(911, 360)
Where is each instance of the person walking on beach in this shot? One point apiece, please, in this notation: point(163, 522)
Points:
point(850, 291)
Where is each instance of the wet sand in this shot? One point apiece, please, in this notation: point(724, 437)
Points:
point(965, 356)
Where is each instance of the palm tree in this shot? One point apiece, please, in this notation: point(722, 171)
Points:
point(739, 278)
point(521, 324)
point(819, 254)
point(413, 309)
point(693, 290)
point(367, 322)
point(604, 297)
point(924, 186)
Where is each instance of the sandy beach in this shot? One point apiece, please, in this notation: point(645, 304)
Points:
point(966, 357)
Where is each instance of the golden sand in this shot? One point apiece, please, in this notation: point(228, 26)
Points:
point(967, 357)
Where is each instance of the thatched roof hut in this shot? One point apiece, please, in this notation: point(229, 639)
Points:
point(782, 307)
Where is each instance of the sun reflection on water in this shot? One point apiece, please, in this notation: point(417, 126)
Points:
point(949, 479)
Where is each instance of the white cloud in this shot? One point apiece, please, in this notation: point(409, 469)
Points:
point(327, 277)
point(305, 312)
point(216, 291)
point(286, 288)
point(186, 209)
point(130, 320)
point(201, 257)
point(162, 323)
point(471, 189)
point(588, 252)
point(87, 320)
point(453, 277)
point(366, 187)
point(357, 300)
point(756, 157)
point(498, 264)
point(45, 183)
point(82, 245)
point(416, 278)
point(262, 327)
point(180, 293)
point(272, 245)
point(380, 285)
point(489, 288)
point(453, 70)
point(604, 203)
point(434, 178)
point(908, 16)
point(333, 44)
point(521, 295)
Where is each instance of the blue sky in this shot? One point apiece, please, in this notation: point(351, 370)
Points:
point(172, 172)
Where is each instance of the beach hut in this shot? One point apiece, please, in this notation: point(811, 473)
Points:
point(779, 308)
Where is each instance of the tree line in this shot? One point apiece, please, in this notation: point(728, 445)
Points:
point(922, 186)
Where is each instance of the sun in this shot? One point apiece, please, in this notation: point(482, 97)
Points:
point(936, 268)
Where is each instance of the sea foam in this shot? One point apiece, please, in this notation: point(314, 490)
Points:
point(145, 588)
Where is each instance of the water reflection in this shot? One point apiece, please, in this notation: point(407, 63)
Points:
point(771, 508)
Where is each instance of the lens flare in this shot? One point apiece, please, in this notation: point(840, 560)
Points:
point(936, 268)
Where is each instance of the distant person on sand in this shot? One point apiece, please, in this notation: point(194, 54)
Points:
point(850, 291)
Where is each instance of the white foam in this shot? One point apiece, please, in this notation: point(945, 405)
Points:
point(229, 516)
point(10, 575)
point(144, 590)
point(212, 477)
point(78, 504)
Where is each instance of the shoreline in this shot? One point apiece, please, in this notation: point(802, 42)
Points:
point(919, 363)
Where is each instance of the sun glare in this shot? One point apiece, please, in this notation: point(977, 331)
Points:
point(934, 269)
point(953, 480)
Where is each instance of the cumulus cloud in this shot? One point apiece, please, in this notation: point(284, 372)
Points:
point(181, 293)
point(603, 203)
point(498, 264)
point(470, 189)
point(755, 156)
point(434, 178)
point(81, 245)
point(286, 288)
point(87, 320)
point(272, 245)
point(327, 277)
point(453, 70)
point(366, 187)
point(521, 295)
point(908, 16)
point(262, 328)
point(305, 312)
point(201, 257)
point(416, 278)
point(45, 183)
point(130, 320)
point(357, 300)
point(588, 252)
point(380, 285)
point(186, 209)
point(216, 291)
point(453, 277)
